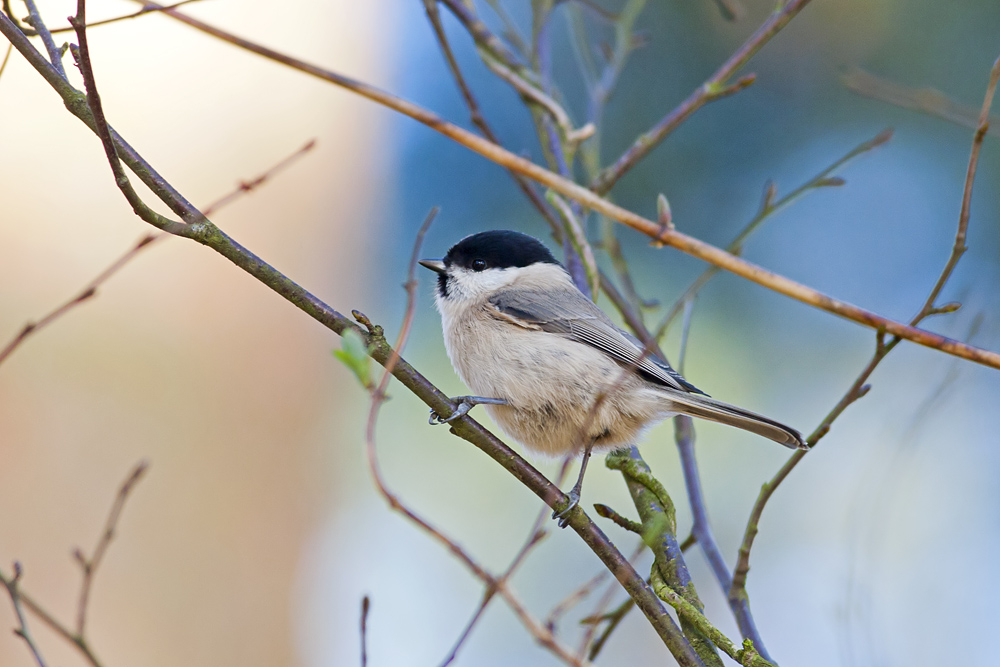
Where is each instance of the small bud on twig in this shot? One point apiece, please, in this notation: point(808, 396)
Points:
point(665, 217)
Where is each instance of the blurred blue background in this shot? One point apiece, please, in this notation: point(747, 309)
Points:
point(259, 530)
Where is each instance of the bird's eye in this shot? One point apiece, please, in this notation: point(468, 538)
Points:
point(479, 265)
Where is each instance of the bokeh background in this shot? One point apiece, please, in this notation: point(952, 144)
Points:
point(257, 530)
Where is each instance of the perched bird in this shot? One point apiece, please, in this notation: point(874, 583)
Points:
point(552, 369)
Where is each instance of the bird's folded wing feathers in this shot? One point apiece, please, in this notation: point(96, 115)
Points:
point(585, 323)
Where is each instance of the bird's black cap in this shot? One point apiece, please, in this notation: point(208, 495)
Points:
point(498, 249)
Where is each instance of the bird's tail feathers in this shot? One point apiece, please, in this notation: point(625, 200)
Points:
point(708, 408)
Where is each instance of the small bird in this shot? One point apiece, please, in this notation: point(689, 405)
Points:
point(552, 369)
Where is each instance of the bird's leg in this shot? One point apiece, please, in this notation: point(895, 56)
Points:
point(574, 493)
point(462, 406)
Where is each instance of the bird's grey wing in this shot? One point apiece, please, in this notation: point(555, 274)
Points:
point(569, 313)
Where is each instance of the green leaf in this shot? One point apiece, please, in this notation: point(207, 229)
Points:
point(354, 354)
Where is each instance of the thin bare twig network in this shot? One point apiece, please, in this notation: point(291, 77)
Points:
point(859, 387)
point(590, 199)
point(88, 565)
point(90, 289)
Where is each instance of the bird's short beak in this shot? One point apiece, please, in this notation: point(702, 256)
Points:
point(435, 265)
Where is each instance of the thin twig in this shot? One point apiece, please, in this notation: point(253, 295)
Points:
point(600, 85)
point(601, 607)
point(535, 537)
point(13, 590)
point(926, 100)
point(365, 607)
point(480, 32)
point(614, 619)
point(90, 565)
point(103, 130)
point(589, 199)
point(533, 95)
point(90, 289)
point(510, 30)
point(148, 9)
point(970, 177)
point(684, 431)
point(55, 53)
point(713, 89)
point(6, 57)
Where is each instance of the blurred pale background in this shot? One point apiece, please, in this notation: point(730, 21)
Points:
point(256, 531)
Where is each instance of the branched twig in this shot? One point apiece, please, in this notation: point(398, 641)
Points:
point(90, 565)
point(959, 248)
point(702, 531)
point(882, 347)
point(90, 289)
point(770, 205)
point(747, 656)
point(659, 523)
point(55, 53)
point(82, 56)
point(579, 594)
point(536, 536)
point(613, 618)
point(78, 104)
point(600, 608)
point(713, 89)
point(587, 198)
point(13, 590)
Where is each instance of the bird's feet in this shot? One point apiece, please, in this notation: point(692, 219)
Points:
point(562, 517)
point(462, 406)
point(574, 494)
